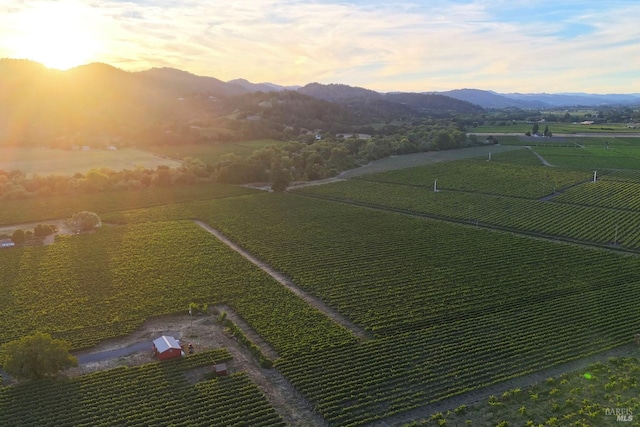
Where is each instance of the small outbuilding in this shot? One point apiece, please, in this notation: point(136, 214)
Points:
point(165, 348)
point(221, 369)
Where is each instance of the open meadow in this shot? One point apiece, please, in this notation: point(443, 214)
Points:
point(49, 161)
point(511, 267)
point(212, 153)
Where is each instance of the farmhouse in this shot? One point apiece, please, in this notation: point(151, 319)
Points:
point(166, 347)
point(6, 243)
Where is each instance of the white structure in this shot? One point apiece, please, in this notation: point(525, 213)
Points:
point(6, 243)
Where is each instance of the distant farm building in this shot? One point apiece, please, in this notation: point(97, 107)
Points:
point(165, 348)
point(221, 370)
point(6, 243)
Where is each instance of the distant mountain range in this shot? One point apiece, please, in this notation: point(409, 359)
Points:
point(100, 102)
point(490, 99)
point(38, 104)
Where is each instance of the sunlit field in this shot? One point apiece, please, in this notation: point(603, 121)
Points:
point(211, 153)
point(47, 161)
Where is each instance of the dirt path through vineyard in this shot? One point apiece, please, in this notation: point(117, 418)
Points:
point(310, 299)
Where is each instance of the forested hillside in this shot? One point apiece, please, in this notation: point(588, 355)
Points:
point(99, 105)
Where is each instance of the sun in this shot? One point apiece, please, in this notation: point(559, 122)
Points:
point(56, 34)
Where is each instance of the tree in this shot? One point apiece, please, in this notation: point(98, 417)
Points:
point(546, 130)
point(36, 356)
point(86, 220)
point(535, 129)
point(280, 179)
point(18, 236)
point(43, 230)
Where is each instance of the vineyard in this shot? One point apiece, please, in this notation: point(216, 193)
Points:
point(487, 177)
point(152, 394)
point(449, 300)
point(44, 208)
point(606, 193)
point(451, 307)
point(568, 141)
point(592, 157)
point(575, 399)
point(588, 224)
point(140, 271)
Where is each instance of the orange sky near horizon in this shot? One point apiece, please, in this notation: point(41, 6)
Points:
point(546, 46)
point(59, 36)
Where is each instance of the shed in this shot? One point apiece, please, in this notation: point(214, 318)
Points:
point(166, 347)
point(221, 369)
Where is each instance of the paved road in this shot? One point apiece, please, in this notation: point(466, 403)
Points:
point(112, 354)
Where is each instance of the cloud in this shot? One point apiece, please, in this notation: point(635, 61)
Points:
point(490, 44)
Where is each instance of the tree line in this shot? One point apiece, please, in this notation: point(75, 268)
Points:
point(306, 158)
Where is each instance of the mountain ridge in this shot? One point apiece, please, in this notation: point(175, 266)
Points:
point(184, 82)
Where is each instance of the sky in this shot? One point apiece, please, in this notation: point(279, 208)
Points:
point(528, 46)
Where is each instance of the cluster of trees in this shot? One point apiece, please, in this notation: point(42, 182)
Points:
point(305, 158)
point(20, 236)
point(36, 356)
point(535, 130)
point(15, 184)
point(608, 114)
point(310, 159)
point(81, 221)
point(85, 221)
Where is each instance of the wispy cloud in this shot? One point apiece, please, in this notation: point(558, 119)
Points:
point(491, 44)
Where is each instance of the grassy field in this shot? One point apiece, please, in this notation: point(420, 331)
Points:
point(211, 153)
point(47, 161)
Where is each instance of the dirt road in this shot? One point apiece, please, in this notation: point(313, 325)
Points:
point(313, 301)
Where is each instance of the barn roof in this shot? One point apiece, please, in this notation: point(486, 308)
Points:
point(165, 343)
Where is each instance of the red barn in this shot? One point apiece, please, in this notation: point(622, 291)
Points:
point(165, 348)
